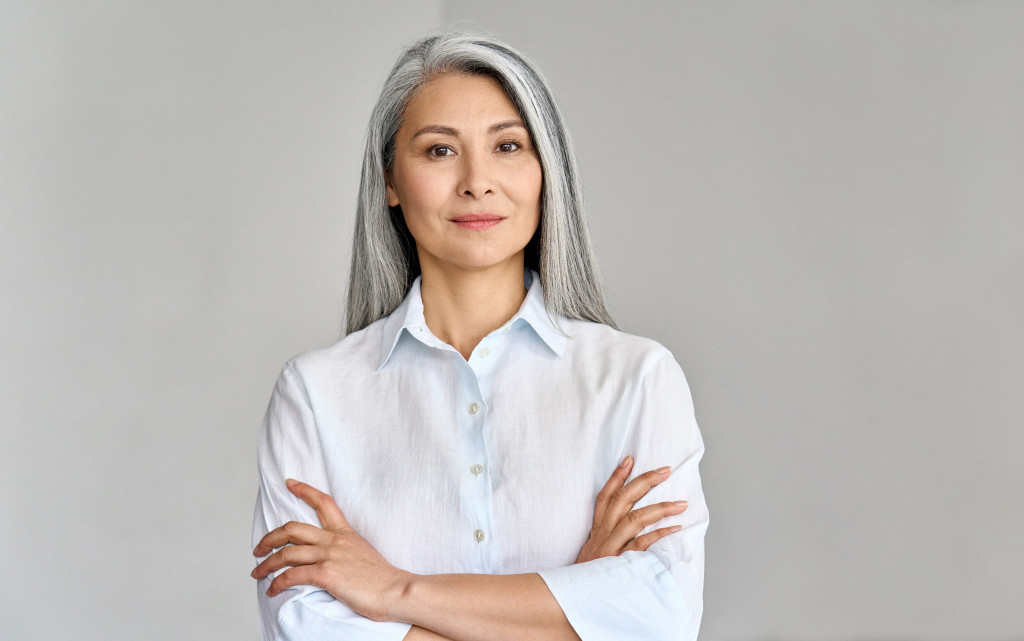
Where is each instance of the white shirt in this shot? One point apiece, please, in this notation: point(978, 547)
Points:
point(488, 466)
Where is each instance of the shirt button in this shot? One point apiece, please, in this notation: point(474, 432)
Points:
point(474, 408)
point(476, 469)
point(484, 352)
point(478, 535)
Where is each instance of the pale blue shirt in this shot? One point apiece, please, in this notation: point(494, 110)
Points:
point(488, 466)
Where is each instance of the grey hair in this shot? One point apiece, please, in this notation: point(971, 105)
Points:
point(384, 259)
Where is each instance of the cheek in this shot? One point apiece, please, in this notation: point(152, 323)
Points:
point(522, 180)
point(422, 201)
point(531, 186)
point(417, 190)
point(424, 192)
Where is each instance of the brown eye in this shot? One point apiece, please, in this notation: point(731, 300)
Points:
point(508, 147)
point(440, 151)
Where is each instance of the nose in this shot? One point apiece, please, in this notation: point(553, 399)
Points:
point(475, 176)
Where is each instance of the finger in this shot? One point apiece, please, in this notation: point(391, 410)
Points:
point(330, 515)
point(640, 518)
point(288, 556)
point(292, 532)
point(624, 497)
point(302, 575)
point(641, 543)
point(615, 481)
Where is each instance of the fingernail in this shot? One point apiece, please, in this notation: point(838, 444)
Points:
point(675, 528)
point(625, 461)
point(680, 503)
point(291, 482)
point(664, 470)
point(253, 573)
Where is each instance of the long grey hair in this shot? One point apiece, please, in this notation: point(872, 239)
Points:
point(384, 259)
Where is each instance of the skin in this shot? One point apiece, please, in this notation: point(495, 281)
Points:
point(461, 150)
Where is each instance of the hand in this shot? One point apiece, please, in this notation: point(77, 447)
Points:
point(333, 557)
point(616, 523)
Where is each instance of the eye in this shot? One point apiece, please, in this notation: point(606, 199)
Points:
point(509, 146)
point(440, 151)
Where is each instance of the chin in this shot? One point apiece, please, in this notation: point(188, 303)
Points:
point(475, 261)
point(480, 265)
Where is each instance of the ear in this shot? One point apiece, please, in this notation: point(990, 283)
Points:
point(392, 195)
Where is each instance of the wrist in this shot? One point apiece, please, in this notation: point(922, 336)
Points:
point(402, 594)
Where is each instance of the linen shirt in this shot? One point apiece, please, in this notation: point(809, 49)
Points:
point(490, 465)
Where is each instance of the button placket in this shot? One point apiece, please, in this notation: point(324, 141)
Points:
point(477, 491)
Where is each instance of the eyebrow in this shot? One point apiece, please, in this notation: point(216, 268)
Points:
point(508, 124)
point(449, 131)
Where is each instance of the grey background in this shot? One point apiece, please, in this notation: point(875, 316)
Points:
point(817, 206)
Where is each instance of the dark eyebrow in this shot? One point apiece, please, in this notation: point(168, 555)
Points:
point(448, 131)
point(508, 124)
point(436, 129)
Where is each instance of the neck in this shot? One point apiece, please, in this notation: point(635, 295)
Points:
point(461, 307)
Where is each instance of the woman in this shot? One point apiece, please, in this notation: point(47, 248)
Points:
point(480, 400)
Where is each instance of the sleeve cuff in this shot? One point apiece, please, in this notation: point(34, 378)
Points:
point(630, 596)
point(318, 617)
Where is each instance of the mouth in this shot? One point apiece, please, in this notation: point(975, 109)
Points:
point(477, 221)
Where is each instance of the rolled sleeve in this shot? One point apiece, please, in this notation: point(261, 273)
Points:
point(631, 596)
point(289, 447)
point(656, 594)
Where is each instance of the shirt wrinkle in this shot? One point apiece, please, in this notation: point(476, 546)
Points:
point(448, 466)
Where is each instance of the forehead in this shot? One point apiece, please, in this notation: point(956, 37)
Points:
point(459, 99)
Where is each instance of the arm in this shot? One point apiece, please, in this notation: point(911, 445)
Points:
point(649, 587)
point(289, 445)
point(466, 607)
point(480, 607)
point(521, 606)
point(420, 634)
point(652, 593)
point(657, 593)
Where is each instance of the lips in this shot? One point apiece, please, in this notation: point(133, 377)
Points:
point(477, 221)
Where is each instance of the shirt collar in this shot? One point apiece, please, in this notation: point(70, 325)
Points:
point(408, 317)
point(535, 314)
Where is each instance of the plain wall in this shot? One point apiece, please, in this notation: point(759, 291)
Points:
point(817, 206)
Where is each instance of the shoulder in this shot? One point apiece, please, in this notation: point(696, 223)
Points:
point(640, 370)
point(353, 357)
point(596, 342)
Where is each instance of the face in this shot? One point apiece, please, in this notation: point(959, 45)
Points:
point(466, 176)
